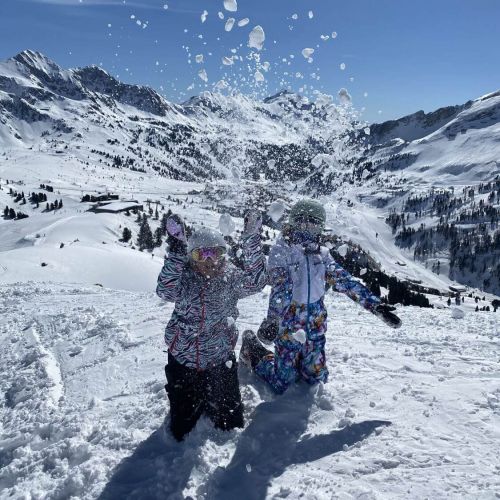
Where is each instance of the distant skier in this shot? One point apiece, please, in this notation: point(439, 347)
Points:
point(299, 270)
point(202, 375)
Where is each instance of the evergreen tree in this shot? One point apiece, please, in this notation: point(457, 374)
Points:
point(163, 224)
point(145, 237)
point(6, 211)
point(126, 235)
point(12, 213)
point(158, 237)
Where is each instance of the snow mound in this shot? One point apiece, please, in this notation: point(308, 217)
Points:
point(457, 313)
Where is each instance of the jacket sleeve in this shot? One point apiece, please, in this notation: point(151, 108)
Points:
point(168, 287)
point(278, 277)
point(281, 292)
point(343, 282)
point(253, 277)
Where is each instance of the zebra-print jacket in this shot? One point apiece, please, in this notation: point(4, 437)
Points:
point(201, 332)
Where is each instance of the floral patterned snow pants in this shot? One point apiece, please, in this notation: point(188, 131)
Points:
point(293, 360)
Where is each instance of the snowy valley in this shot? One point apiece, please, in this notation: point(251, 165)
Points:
point(412, 413)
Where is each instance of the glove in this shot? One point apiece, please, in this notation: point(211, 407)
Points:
point(252, 222)
point(176, 235)
point(268, 330)
point(384, 312)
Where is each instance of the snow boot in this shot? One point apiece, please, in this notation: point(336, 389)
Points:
point(252, 351)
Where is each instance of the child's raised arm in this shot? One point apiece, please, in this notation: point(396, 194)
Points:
point(253, 277)
point(168, 286)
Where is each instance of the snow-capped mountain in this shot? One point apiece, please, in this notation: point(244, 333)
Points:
point(48, 108)
point(446, 147)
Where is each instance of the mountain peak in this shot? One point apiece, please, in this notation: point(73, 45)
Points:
point(37, 61)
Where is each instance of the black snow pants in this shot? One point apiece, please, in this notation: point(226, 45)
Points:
point(192, 393)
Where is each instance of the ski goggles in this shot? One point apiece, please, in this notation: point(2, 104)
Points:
point(311, 226)
point(309, 220)
point(202, 254)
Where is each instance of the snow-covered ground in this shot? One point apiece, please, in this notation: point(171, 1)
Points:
point(84, 406)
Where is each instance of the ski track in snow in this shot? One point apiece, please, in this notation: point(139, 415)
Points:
point(84, 406)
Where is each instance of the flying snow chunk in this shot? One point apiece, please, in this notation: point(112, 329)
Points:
point(229, 24)
point(259, 77)
point(342, 66)
point(325, 38)
point(256, 38)
point(265, 66)
point(221, 85)
point(365, 94)
point(276, 210)
point(457, 313)
point(220, 14)
point(343, 249)
point(317, 160)
point(334, 34)
point(227, 61)
point(243, 22)
point(165, 6)
point(311, 14)
point(199, 58)
point(307, 53)
point(229, 364)
point(226, 224)
point(344, 96)
point(204, 16)
point(271, 164)
point(231, 5)
point(300, 336)
point(203, 75)
point(366, 130)
point(295, 17)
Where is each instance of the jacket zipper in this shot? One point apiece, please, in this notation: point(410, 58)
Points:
point(202, 325)
point(308, 294)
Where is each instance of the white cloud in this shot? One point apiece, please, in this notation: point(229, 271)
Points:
point(89, 3)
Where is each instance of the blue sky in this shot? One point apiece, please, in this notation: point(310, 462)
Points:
point(400, 55)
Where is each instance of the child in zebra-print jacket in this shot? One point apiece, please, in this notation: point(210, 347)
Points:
point(202, 376)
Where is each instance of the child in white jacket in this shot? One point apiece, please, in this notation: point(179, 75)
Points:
point(299, 270)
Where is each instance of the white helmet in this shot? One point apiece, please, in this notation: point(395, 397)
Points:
point(205, 238)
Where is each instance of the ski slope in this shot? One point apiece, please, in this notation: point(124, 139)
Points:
point(84, 408)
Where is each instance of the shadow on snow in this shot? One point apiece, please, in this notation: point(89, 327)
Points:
point(271, 443)
point(160, 467)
